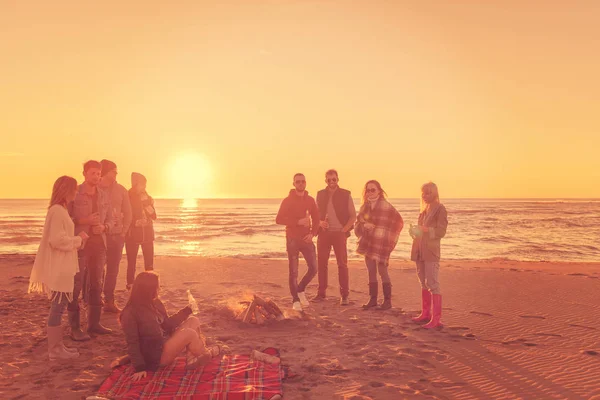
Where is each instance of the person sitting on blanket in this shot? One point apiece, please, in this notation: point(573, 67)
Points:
point(155, 339)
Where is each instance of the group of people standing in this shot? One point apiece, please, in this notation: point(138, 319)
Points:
point(88, 225)
point(378, 224)
point(86, 228)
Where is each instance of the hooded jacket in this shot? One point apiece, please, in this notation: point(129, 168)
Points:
point(142, 211)
point(293, 208)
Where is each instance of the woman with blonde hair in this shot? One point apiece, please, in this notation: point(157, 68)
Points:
point(56, 263)
point(431, 228)
point(378, 227)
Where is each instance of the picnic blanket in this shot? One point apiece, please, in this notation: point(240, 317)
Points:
point(231, 377)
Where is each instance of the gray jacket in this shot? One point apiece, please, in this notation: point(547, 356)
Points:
point(82, 207)
point(121, 208)
point(427, 246)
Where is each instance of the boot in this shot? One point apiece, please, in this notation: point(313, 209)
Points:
point(56, 349)
point(111, 307)
point(387, 296)
point(76, 333)
point(94, 325)
point(373, 287)
point(436, 319)
point(425, 307)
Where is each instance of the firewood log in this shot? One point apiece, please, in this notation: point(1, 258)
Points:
point(259, 301)
point(276, 309)
point(260, 319)
point(263, 312)
point(249, 312)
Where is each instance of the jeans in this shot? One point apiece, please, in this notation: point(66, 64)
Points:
point(429, 275)
point(132, 248)
point(374, 266)
point(57, 307)
point(89, 278)
point(338, 240)
point(114, 252)
point(294, 247)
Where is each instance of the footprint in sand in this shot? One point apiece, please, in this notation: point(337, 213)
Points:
point(532, 316)
point(273, 285)
point(458, 328)
point(447, 385)
point(521, 341)
point(482, 313)
point(590, 352)
point(228, 284)
point(583, 326)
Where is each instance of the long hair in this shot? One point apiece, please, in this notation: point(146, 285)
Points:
point(434, 190)
point(382, 194)
point(145, 289)
point(61, 189)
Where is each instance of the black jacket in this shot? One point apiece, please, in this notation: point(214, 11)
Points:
point(142, 208)
point(146, 329)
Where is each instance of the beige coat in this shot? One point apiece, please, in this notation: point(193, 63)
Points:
point(56, 261)
point(427, 246)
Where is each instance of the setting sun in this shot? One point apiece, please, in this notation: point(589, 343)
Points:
point(190, 176)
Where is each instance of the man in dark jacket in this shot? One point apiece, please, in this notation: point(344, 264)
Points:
point(338, 215)
point(115, 240)
point(300, 215)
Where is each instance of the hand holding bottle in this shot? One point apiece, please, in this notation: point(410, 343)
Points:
point(192, 303)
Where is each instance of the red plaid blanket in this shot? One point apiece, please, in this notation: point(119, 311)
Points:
point(232, 377)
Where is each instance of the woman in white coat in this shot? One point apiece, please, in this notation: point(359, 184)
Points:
point(56, 263)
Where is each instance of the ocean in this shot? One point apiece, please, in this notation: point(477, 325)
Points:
point(512, 229)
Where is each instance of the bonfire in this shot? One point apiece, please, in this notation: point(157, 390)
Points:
point(260, 310)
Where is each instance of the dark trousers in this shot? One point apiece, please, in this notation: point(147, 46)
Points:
point(114, 253)
point(88, 281)
point(294, 247)
point(338, 240)
point(132, 248)
point(374, 266)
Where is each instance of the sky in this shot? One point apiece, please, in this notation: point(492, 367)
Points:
point(232, 98)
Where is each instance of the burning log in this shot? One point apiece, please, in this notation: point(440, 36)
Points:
point(261, 310)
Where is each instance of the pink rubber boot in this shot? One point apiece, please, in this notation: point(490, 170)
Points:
point(425, 307)
point(436, 319)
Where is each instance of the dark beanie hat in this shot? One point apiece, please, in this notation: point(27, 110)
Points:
point(107, 166)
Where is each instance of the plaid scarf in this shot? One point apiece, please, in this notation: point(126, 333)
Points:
point(378, 243)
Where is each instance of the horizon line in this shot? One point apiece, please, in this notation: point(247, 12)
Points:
point(393, 198)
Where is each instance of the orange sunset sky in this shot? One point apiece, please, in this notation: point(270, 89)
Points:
point(231, 98)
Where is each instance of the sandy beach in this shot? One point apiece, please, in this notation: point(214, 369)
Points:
point(512, 330)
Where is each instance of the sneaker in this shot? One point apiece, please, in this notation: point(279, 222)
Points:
point(297, 306)
point(303, 300)
point(318, 298)
point(344, 301)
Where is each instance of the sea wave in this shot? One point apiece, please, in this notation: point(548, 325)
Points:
point(479, 229)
